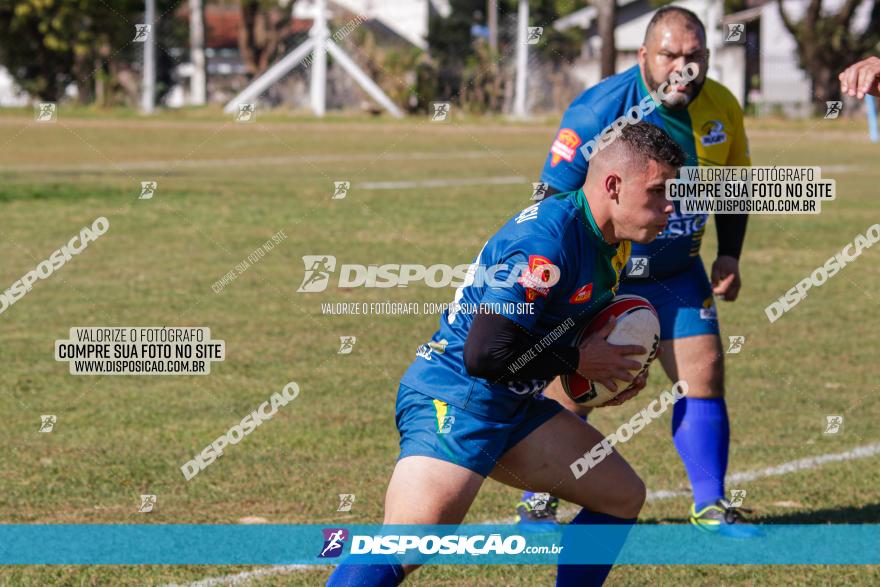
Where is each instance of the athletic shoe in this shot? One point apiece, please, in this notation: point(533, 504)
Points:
point(540, 508)
point(724, 519)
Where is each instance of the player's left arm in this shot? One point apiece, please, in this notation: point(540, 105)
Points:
point(731, 228)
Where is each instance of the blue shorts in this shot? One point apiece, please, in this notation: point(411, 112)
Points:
point(683, 301)
point(432, 428)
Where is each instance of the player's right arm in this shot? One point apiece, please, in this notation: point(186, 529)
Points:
point(496, 340)
point(494, 344)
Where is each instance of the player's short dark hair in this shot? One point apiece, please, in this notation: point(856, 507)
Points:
point(675, 11)
point(651, 142)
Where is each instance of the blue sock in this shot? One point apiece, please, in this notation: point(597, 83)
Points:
point(377, 575)
point(701, 433)
point(528, 494)
point(591, 575)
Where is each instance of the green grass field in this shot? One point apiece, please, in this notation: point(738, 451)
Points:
point(225, 188)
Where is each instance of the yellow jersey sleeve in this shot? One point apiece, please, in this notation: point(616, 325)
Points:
point(739, 146)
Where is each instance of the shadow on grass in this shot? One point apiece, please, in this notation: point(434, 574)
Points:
point(16, 191)
point(867, 514)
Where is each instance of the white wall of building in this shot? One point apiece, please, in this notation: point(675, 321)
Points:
point(783, 82)
point(10, 94)
point(407, 18)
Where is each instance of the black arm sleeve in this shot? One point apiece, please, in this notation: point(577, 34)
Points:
point(495, 343)
point(731, 233)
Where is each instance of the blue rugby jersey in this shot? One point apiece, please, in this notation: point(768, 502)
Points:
point(559, 231)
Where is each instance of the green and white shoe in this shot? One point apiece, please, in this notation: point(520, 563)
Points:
point(539, 508)
point(723, 519)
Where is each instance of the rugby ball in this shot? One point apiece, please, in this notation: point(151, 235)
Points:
point(638, 324)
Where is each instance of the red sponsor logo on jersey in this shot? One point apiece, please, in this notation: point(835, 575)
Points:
point(582, 295)
point(565, 146)
point(538, 277)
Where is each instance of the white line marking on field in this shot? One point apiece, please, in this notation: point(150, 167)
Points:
point(665, 494)
point(438, 183)
point(844, 168)
point(247, 576)
point(173, 164)
point(805, 464)
point(860, 452)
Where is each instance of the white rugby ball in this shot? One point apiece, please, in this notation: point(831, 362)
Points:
point(637, 324)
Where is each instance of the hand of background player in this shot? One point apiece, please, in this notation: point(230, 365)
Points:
point(861, 78)
point(725, 278)
point(604, 362)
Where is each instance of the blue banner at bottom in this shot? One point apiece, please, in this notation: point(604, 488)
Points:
point(645, 544)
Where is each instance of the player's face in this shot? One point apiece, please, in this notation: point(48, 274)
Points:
point(642, 209)
point(670, 47)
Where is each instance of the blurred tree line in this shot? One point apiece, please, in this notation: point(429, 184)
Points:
point(826, 44)
point(464, 68)
point(49, 44)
